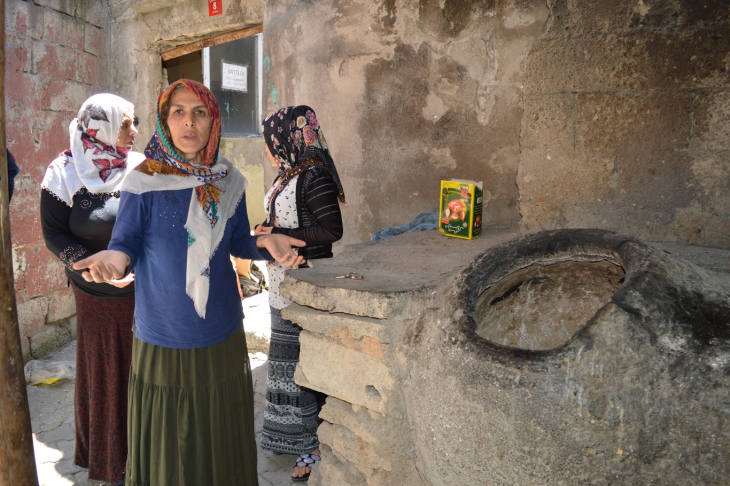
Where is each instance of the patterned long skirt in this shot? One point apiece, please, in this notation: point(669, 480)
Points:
point(291, 413)
point(103, 357)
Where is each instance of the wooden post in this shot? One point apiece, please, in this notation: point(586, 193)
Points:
point(17, 460)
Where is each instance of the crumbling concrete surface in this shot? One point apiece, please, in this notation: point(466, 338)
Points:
point(637, 395)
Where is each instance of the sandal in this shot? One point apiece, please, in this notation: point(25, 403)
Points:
point(305, 460)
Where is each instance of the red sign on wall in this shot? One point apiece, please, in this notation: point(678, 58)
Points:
point(215, 7)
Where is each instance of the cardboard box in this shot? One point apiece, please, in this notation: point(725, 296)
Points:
point(460, 213)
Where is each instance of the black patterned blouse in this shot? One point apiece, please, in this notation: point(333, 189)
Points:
point(73, 233)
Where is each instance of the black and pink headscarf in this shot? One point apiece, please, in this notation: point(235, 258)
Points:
point(294, 137)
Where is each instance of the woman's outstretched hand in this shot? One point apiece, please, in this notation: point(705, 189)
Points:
point(280, 248)
point(104, 266)
point(122, 282)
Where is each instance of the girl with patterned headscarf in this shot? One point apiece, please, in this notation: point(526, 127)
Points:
point(303, 203)
point(79, 204)
point(190, 391)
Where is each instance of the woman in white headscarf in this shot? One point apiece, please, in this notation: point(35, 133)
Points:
point(79, 202)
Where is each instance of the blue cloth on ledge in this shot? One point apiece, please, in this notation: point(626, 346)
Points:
point(427, 220)
point(150, 228)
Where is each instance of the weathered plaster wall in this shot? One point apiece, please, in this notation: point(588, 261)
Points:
point(609, 114)
point(56, 56)
point(246, 155)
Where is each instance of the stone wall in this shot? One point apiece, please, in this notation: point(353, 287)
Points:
point(56, 56)
point(638, 394)
point(607, 114)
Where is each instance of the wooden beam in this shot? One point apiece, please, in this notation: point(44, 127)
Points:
point(17, 460)
point(211, 41)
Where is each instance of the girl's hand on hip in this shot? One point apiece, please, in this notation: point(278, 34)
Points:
point(280, 247)
point(262, 230)
point(104, 266)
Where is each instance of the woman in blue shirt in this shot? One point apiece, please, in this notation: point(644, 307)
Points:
point(190, 392)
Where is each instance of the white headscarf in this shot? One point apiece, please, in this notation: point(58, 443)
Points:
point(94, 161)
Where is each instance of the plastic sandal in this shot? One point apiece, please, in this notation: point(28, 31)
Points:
point(305, 460)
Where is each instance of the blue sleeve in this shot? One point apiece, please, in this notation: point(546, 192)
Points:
point(243, 245)
point(130, 226)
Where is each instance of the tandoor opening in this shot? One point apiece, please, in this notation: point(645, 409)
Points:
point(541, 307)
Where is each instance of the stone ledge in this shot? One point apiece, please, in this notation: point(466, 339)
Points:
point(329, 323)
point(347, 380)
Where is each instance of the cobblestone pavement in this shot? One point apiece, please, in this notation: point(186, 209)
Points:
point(52, 418)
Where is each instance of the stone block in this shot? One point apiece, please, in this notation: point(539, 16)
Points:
point(371, 427)
point(712, 120)
point(147, 6)
point(93, 12)
point(32, 314)
point(49, 129)
point(331, 323)
point(378, 466)
point(93, 40)
point(591, 18)
point(20, 89)
point(550, 179)
point(53, 61)
point(65, 6)
point(47, 339)
point(24, 18)
point(335, 469)
point(634, 62)
point(71, 325)
point(549, 121)
point(564, 65)
point(655, 179)
point(655, 121)
point(44, 274)
point(61, 305)
point(91, 69)
point(63, 30)
point(359, 303)
point(25, 199)
point(25, 227)
point(66, 96)
point(17, 55)
point(374, 389)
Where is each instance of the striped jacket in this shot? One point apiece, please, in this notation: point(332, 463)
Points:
point(320, 219)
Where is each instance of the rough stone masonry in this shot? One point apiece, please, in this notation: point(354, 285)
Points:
point(639, 394)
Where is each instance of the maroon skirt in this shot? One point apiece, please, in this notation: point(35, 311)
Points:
point(103, 357)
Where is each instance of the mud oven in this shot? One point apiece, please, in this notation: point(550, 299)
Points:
point(564, 357)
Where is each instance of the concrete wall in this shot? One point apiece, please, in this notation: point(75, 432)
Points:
point(605, 114)
point(56, 56)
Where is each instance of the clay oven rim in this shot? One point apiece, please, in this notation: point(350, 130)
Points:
point(546, 248)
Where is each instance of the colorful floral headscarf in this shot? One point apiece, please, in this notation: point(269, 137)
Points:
point(294, 137)
point(93, 161)
point(161, 149)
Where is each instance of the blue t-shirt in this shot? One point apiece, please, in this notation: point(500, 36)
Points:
point(150, 228)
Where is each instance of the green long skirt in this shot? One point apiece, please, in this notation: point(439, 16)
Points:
point(190, 416)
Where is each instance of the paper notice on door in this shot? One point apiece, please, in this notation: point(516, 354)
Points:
point(235, 77)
